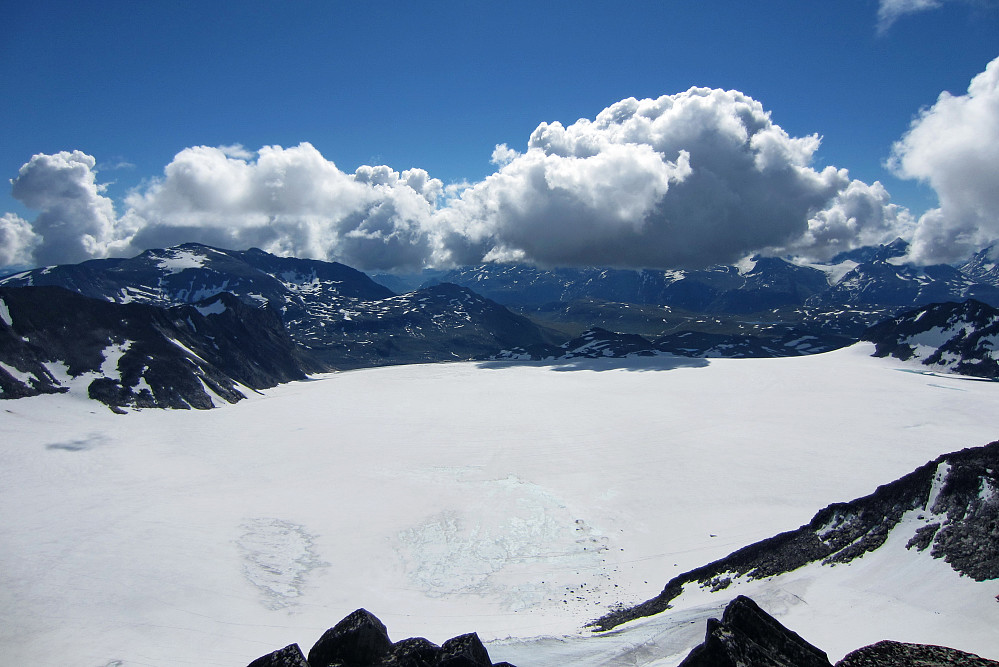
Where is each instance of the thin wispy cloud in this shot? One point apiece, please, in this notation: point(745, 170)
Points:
point(890, 11)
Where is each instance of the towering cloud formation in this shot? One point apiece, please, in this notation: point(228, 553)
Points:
point(954, 147)
point(691, 179)
point(76, 221)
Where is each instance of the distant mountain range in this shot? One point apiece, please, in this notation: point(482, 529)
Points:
point(868, 277)
point(160, 329)
point(192, 322)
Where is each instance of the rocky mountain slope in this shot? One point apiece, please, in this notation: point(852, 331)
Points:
point(983, 267)
point(948, 337)
point(949, 506)
point(339, 314)
point(137, 355)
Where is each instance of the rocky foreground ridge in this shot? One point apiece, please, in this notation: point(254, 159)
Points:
point(361, 640)
point(748, 636)
point(745, 636)
point(949, 506)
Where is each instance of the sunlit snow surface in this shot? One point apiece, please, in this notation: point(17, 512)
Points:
point(517, 501)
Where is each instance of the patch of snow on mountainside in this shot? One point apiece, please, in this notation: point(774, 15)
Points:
point(214, 308)
point(5, 314)
point(179, 259)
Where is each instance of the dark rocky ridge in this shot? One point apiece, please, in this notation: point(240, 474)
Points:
point(169, 357)
point(361, 640)
point(955, 337)
point(961, 526)
point(440, 323)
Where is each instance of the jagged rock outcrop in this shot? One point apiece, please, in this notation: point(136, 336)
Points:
point(951, 505)
point(747, 635)
point(361, 640)
point(898, 654)
point(952, 337)
point(289, 656)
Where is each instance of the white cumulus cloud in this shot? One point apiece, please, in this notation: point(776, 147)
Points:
point(954, 147)
point(691, 179)
point(17, 241)
point(288, 201)
point(76, 221)
point(697, 178)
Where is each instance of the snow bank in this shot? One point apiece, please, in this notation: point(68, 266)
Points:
point(515, 501)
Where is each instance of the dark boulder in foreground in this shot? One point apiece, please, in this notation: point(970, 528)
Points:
point(898, 654)
point(361, 640)
point(289, 656)
point(747, 635)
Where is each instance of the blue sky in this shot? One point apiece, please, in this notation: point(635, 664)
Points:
point(436, 86)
